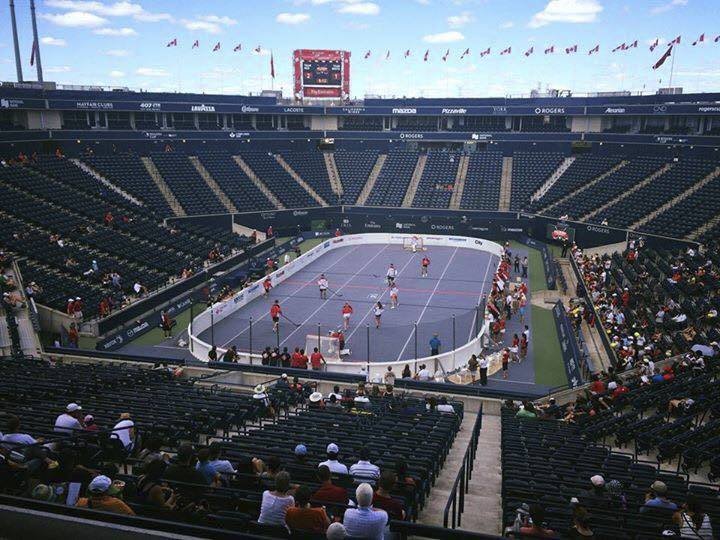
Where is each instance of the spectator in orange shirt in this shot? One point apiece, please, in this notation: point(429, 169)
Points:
point(100, 500)
point(302, 517)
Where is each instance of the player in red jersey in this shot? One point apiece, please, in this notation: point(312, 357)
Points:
point(424, 266)
point(267, 285)
point(347, 311)
point(275, 312)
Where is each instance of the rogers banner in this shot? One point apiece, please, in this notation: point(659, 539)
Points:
point(321, 73)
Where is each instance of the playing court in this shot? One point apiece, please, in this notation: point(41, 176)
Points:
point(458, 278)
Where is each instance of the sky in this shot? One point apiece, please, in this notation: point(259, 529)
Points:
point(123, 43)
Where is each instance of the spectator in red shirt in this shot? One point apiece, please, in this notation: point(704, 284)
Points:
point(328, 493)
point(316, 359)
point(383, 498)
point(296, 358)
point(597, 386)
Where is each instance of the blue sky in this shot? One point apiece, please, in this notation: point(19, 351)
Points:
point(123, 43)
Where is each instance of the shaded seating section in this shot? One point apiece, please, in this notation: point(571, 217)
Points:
point(529, 171)
point(548, 462)
point(281, 184)
point(681, 176)
point(186, 184)
point(234, 182)
point(584, 169)
point(438, 180)
point(482, 184)
point(311, 167)
point(609, 187)
point(172, 411)
point(479, 123)
point(361, 123)
point(688, 214)
point(394, 179)
point(128, 173)
point(354, 169)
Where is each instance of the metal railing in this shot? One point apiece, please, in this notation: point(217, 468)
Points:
point(456, 500)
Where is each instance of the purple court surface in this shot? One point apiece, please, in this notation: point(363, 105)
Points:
point(457, 279)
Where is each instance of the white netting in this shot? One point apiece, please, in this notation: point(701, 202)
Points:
point(329, 346)
point(413, 243)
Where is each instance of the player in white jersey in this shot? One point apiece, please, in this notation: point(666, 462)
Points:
point(391, 274)
point(393, 296)
point(323, 286)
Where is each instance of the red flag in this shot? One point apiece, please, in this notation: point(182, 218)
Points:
point(367, 55)
point(506, 51)
point(530, 51)
point(485, 52)
point(387, 55)
point(550, 49)
point(272, 65)
point(620, 47)
point(34, 52)
point(216, 47)
point(699, 40)
point(595, 49)
point(196, 44)
point(465, 53)
point(257, 49)
point(445, 56)
point(172, 43)
point(633, 44)
point(425, 56)
point(238, 47)
point(675, 41)
point(654, 44)
point(572, 49)
point(663, 57)
point(407, 53)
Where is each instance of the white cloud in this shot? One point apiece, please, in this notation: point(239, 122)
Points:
point(117, 52)
point(224, 20)
point(423, 2)
point(116, 74)
point(567, 11)
point(152, 72)
point(668, 6)
point(58, 69)
point(458, 21)
point(292, 18)
point(360, 8)
point(212, 24)
point(116, 32)
point(444, 37)
point(75, 19)
point(53, 42)
point(507, 24)
point(116, 9)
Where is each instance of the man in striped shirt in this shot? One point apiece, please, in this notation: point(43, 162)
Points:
point(363, 470)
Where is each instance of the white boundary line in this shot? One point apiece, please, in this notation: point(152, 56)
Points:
point(437, 284)
point(484, 282)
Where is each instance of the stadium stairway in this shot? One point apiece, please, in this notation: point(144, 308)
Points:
point(672, 202)
point(460, 178)
point(505, 184)
point(100, 178)
point(213, 185)
point(370, 184)
point(550, 182)
point(414, 181)
point(170, 198)
point(333, 174)
point(662, 170)
point(483, 511)
point(284, 164)
point(258, 183)
point(590, 184)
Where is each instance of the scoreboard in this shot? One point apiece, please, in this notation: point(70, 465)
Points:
point(321, 73)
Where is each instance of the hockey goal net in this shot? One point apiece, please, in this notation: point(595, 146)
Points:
point(329, 346)
point(413, 243)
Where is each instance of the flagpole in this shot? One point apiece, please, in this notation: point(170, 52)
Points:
point(672, 65)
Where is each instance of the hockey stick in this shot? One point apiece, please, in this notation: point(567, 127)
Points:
point(290, 320)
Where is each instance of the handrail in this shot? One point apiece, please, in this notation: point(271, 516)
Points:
point(461, 486)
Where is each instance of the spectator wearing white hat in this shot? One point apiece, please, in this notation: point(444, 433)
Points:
point(365, 521)
point(69, 421)
point(332, 462)
point(316, 401)
point(99, 498)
